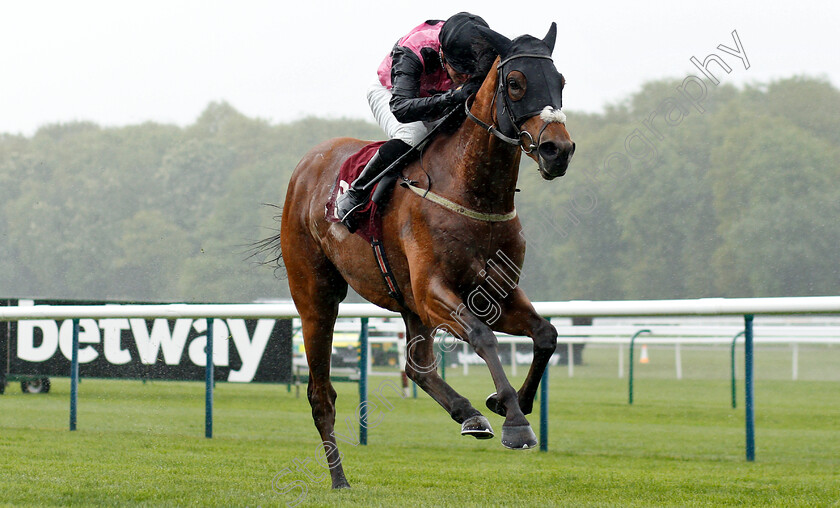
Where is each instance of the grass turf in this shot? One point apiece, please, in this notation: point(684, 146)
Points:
point(680, 444)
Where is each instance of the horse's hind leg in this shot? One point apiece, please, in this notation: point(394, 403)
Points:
point(421, 367)
point(317, 289)
point(317, 335)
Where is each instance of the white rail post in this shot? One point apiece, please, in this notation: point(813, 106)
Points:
point(570, 356)
point(621, 361)
point(678, 360)
point(512, 358)
point(466, 359)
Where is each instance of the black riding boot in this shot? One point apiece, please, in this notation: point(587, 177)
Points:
point(359, 192)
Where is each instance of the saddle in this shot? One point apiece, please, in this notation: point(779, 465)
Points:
point(369, 218)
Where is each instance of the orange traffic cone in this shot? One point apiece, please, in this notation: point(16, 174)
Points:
point(644, 357)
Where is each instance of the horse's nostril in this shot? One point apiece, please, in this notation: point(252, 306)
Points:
point(549, 150)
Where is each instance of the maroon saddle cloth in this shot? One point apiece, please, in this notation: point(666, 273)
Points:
point(370, 224)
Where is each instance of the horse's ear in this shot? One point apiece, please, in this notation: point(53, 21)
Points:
point(498, 41)
point(551, 36)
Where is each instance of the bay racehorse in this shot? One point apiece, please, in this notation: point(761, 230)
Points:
point(454, 244)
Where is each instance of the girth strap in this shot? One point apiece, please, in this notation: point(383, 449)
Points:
point(388, 275)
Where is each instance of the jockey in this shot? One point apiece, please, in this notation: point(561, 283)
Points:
point(426, 74)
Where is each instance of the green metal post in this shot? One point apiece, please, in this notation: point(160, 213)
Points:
point(74, 375)
point(748, 387)
point(363, 381)
point(544, 411)
point(208, 381)
point(632, 344)
point(732, 368)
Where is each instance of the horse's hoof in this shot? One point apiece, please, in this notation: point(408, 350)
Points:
point(494, 404)
point(341, 485)
point(520, 437)
point(478, 427)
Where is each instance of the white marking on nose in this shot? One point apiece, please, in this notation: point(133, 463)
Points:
point(549, 114)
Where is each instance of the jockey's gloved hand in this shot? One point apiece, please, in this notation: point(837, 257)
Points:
point(474, 84)
point(463, 92)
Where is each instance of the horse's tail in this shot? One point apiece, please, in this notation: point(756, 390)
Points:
point(267, 252)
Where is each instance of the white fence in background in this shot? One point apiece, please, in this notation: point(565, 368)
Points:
point(617, 329)
point(746, 307)
point(677, 332)
point(696, 307)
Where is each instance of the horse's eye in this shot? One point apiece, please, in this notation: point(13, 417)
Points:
point(516, 85)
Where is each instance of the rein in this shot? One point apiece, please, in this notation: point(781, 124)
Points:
point(530, 147)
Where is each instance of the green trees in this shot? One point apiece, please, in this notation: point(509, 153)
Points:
point(740, 200)
point(149, 212)
point(777, 200)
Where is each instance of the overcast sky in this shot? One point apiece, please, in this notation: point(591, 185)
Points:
point(127, 62)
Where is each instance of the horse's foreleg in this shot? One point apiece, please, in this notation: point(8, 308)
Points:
point(516, 431)
point(519, 318)
point(421, 367)
point(447, 308)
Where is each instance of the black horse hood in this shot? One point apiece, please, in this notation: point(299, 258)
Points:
point(531, 57)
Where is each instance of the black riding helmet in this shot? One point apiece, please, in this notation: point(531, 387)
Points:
point(461, 43)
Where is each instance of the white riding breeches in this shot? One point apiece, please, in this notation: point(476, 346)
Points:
point(379, 99)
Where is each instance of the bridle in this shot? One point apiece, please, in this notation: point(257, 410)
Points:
point(527, 146)
point(524, 109)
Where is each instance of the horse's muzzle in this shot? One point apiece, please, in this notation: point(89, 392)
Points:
point(554, 158)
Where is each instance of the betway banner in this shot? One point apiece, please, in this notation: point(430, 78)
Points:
point(244, 350)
